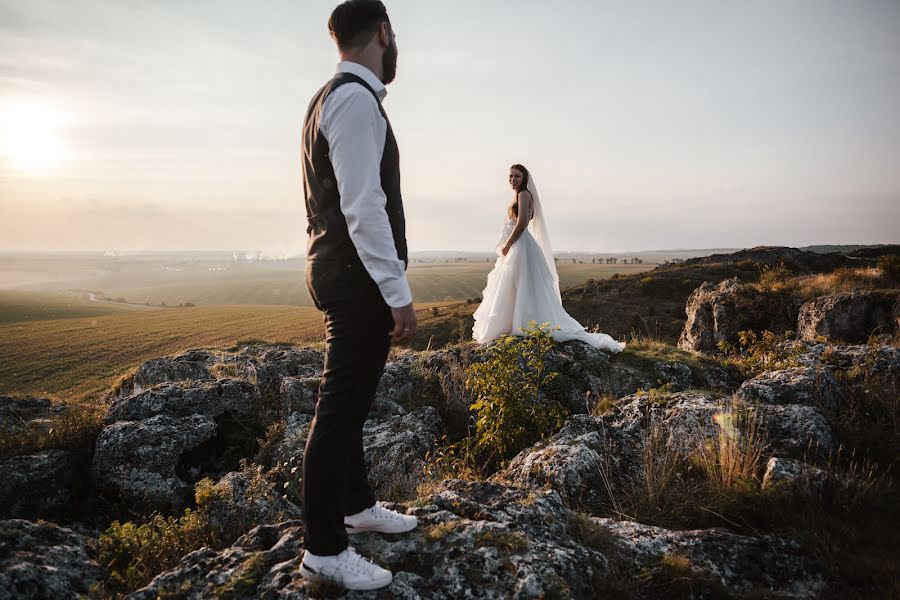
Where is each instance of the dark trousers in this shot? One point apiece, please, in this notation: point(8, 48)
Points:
point(357, 326)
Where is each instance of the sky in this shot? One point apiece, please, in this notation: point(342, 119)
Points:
point(175, 124)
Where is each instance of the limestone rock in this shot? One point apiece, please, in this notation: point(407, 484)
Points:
point(795, 475)
point(476, 540)
point(47, 484)
point(590, 457)
point(395, 448)
point(848, 317)
point(142, 462)
point(42, 561)
point(714, 313)
point(801, 385)
point(209, 398)
point(299, 394)
point(242, 500)
point(732, 559)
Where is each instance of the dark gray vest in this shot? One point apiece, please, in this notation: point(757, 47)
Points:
point(328, 235)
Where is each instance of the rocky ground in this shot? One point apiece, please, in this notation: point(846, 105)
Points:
point(223, 433)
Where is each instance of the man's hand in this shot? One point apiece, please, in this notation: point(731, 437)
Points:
point(404, 324)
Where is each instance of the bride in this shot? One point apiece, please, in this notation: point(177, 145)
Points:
point(524, 286)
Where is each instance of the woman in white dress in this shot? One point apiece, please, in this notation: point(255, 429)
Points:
point(524, 285)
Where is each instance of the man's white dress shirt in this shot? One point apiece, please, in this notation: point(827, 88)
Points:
point(355, 130)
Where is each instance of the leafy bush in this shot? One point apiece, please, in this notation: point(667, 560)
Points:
point(509, 412)
point(756, 354)
point(133, 554)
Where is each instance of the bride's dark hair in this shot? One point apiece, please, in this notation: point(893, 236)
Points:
point(514, 207)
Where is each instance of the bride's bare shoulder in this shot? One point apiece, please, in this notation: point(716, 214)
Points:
point(523, 194)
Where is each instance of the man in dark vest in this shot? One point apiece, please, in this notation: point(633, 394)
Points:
point(356, 275)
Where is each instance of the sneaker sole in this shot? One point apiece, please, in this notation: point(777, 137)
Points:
point(310, 575)
point(379, 528)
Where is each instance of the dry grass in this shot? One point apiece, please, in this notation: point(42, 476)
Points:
point(844, 279)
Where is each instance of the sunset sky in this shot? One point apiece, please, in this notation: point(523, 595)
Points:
point(174, 125)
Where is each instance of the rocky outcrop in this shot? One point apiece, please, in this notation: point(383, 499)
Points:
point(42, 561)
point(722, 556)
point(802, 385)
point(44, 485)
point(847, 317)
point(591, 457)
point(484, 540)
point(475, 540)
point(716, 313)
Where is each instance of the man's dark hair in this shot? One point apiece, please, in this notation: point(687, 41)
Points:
point(353, 23)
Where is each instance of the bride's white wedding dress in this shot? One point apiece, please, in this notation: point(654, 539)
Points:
point(524, 287)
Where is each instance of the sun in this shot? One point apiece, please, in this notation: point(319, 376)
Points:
point(29, 134)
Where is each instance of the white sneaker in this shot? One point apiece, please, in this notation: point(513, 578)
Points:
point(381, 519)
point(347, 569)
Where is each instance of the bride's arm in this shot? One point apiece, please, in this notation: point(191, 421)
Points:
point(521, 221)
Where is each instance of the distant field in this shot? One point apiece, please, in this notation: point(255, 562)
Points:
point(34, 306)
point(76, 358)
point(429, 283)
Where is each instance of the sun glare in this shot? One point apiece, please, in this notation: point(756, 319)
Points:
point(29, 134)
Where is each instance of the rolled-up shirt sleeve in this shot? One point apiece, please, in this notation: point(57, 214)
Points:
point(356, 131)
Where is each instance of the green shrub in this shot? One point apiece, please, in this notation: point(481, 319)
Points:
point(133, 554)
point(509, 412)
point(758, 353)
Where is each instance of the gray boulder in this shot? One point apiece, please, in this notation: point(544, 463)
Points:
point(42, 561)
point(731, 559)
point(395, 449)
point(793, 475)
point(210, 398)
point(141, 462)
point(190, 366)
point(801, 385)
point(714, 313)
point(242, 500)
point(48, 484)
point(848, 317)
point(299, 394)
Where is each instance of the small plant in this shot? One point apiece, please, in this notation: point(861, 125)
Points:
point(732, 461)
point(758, 353)
point(134, 554)
point(509, 412)
point(775, 278)
point(889, 265)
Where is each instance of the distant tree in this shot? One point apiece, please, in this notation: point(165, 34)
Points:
point(189, 304)
point(574, 261)
point(615, 260)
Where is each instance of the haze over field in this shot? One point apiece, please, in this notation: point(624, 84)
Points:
point(174, 126)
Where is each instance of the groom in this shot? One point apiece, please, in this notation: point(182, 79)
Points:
point(356, 275)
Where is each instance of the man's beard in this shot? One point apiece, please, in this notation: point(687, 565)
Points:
point(389, 64)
